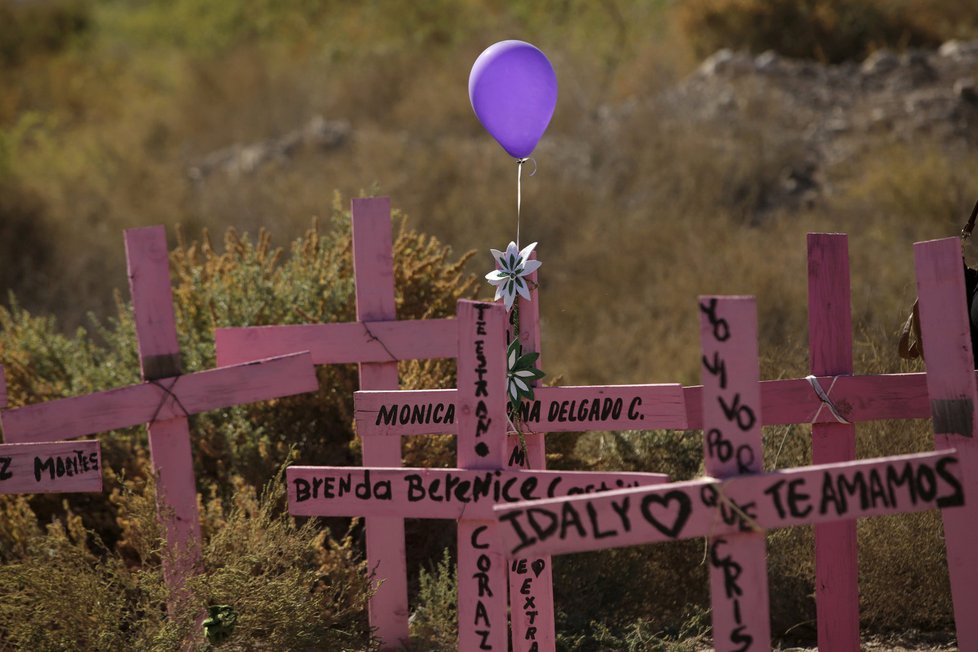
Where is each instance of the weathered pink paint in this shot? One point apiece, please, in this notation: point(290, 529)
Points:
point(951, 383)
point(531, 591)
point(481, 444)
point(346, 343)
point(197, 392)
point(59, 467)
point(733, 446)
point(573, 408)
point(153, 401)
point(427, 493)
point(705, 507)
point(830, 348)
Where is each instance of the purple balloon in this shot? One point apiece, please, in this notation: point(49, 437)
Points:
point(513, 91)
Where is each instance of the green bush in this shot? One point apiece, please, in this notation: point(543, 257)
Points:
point(434, 620)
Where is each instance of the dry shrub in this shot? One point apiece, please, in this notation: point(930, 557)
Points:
point(290, 586)
point(828, 30)
point(60, 590)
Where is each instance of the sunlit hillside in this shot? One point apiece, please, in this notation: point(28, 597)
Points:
point(668, 171)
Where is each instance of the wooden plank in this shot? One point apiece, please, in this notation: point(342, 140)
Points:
point(59, 467)
point(556, 409)
point(732, 447)
point(373, 271)
point(945, 327)
point(531, 593)
point(481, 444)
point(711, 507)
point(123, 407)
point(830, 347)
point(346, 343)
point(147, 260)
point(859, 398)
point(439, 493)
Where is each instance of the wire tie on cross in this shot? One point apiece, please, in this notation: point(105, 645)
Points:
point(826, 401)
point(167, 393)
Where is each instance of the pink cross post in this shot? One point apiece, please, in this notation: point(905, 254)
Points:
point(376, 341)
point(481, 445)
point(734, 446)
point(946, 331)
point(163, 400)
point(465, 494)
point(531, 591)
point(58, 467)
point(734, 510)
point(830, 349)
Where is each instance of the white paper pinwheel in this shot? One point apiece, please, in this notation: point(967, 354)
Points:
point(512, 268)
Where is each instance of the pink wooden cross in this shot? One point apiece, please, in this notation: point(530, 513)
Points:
point(554, 409)
point(733, 509)
point(57, 467)
point(465, 494)
point(163, 401)
point(376, 341)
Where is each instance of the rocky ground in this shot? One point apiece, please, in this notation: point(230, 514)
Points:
point(834, 112)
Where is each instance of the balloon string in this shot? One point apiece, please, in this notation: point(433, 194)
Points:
point(519, 186)
point(519, 189)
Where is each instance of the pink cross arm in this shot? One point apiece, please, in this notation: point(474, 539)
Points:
point(712, 507)
point(438, 493)
point(165, 399)
point(555, 409)
point(858, 398)
point(58, 467)
point(346, 343)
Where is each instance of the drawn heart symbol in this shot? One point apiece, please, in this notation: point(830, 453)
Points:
point(676, 515)
point(537, 566)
